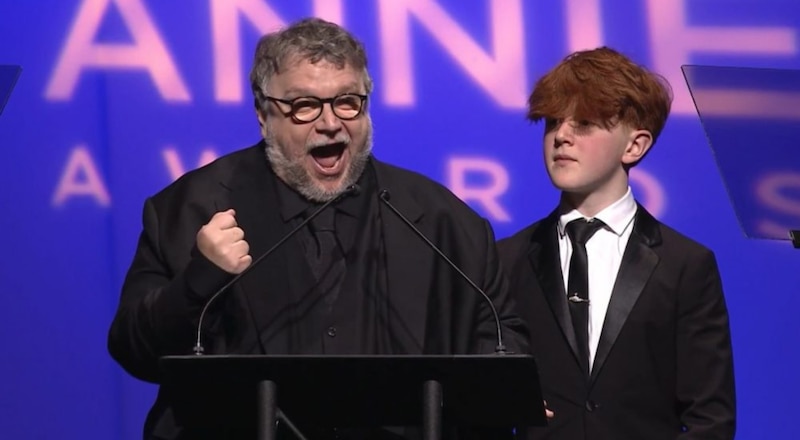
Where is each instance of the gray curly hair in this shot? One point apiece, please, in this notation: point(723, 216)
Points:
point(311, 39)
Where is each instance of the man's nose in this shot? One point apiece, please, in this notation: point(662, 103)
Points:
point(328, 121)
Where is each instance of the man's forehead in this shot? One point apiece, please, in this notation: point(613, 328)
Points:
point(303, 75)
point(297, 60)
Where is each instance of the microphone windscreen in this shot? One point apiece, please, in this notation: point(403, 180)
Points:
point(353, 190)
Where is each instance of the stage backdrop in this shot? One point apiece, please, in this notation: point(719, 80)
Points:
point(118, 98)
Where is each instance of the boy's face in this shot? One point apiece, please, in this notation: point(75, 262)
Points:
point(587, 160)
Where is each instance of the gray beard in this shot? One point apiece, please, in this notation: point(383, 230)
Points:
point(292, 173)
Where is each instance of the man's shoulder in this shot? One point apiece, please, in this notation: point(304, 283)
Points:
point(430, 194)
point(211, 177)
point(412, 180)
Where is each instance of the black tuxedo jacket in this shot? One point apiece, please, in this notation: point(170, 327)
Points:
point(433, 311)
point(663, 367)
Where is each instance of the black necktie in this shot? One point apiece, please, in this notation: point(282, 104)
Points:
point(580, 231)
point(327, 262)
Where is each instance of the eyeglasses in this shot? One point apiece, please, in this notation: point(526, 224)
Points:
point(308, 108)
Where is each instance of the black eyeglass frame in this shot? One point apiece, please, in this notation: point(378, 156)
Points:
point(322, 101)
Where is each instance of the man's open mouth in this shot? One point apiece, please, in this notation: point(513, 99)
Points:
point(328, 157)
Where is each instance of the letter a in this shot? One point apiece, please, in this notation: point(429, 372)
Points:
point(81, 178)
point(147, 51)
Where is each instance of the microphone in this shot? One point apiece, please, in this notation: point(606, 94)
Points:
point(575, 299)
point(352, 190)
point(501, 348)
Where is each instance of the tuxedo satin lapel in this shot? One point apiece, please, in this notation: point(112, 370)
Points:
point(254, 197)
point(638, 263)
point(544, 258)
point(408, 263)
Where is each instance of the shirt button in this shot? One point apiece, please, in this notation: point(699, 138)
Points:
point(331, 331)
point(591, 405)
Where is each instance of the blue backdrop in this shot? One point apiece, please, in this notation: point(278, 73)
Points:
point(119, 97)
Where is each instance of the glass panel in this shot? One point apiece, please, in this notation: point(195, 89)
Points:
point(751, 118)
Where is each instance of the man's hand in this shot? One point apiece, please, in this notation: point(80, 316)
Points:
point(221, 240)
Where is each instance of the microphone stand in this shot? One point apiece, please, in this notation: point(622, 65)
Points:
point(198, 349)
point(500, 348)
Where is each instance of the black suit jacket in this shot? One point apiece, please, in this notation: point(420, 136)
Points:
point(663, 367)
point(433, 311)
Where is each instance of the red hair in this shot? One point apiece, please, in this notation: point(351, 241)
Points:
point(605, 87)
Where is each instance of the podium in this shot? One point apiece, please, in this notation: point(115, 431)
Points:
point(751, 117)
point(8, 78)
point(212, 392)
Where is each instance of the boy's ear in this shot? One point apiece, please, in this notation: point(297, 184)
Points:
point(639, 143)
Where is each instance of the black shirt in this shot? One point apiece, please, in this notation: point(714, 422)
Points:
point(346, 313)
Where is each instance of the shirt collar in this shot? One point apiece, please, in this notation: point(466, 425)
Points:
point(291, 204)
point(617, 216)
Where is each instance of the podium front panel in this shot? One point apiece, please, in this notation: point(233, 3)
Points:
point(356, 391)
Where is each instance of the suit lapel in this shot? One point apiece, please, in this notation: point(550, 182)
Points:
point(546, 262)
point(406, 255)
point(638, 263)
point(254, 197)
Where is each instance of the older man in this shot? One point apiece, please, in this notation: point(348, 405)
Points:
point(355, 280)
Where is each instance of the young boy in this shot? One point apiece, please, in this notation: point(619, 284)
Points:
point(628, 320)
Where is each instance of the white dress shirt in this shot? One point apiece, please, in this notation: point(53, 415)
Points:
point(604, 251)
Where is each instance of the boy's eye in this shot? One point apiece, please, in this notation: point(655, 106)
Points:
point(552, 123)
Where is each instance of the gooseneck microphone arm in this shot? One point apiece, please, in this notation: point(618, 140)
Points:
point(352, 190)
point(501, 348)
